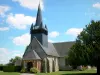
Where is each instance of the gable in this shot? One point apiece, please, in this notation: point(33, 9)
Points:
point(34, 46)
point(31, 54)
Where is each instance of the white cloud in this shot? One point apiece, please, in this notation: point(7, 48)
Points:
point(53, 34)
point(96, 5)
point(22, 40)
point(50, 41)
point(4, 28)
point(20, 21)
point(31, 4)
point(3, 10)
point(6, 55)
point(74, 31)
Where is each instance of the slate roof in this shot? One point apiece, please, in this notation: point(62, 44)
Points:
point(31, 55)
point(63, 47)
point(50, 50)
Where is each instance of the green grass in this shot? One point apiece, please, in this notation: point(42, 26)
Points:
point(86, 72)
point(9, 73)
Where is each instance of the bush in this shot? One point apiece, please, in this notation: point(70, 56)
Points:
point(1, 68)
point(18, 68)
point(34, 70)
point(84, 68)
point(9, 68)
point(23, 70)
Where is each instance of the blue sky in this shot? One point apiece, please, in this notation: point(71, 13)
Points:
point(65, 19)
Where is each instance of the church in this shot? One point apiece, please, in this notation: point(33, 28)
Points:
point(45, 56)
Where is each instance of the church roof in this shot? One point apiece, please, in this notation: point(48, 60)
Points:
point(31, 55)
point(36, 50)
point(63, 47)
point(50, 50)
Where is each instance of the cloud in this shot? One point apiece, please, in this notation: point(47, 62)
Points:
point(4, 28)
point(74, 31)
point(22, 40)
point(31, 4)
point(96, 5)
point(51, 41)
point(54, 34)
point(20, 21)
point(3, 10)
point(6, 55)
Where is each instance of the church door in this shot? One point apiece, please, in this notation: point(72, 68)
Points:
point(29, 65)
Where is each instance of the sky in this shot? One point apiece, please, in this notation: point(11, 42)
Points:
point(65, 19)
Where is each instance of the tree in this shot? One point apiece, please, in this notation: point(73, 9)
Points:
point(86, 50)
point(13, 60)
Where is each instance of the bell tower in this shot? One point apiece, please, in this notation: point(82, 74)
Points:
point(39, 30)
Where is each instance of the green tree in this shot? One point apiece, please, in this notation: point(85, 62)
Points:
point(86, 50)
point(13, 60)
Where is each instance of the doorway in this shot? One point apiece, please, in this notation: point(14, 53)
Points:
point(29, 66)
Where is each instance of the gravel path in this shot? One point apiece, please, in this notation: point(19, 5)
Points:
point(26, 74)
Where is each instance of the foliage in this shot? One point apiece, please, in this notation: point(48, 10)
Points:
point(23, 70)
point(13, 60)
point(18, 68)
point(34, 70)
point(1, 68)
point(9, 68)
point(86, 50)
point(1, 64)
point(84, 68)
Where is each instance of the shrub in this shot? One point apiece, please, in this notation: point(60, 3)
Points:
point(1, 68)
point(23, 70)
point(9, 68)
point(34, 70)
point(84, 68)
point(18, 68)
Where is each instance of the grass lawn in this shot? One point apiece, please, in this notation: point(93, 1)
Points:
point(9, 73)
point(86, 72)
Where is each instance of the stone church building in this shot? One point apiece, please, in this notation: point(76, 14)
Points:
point(45, 56)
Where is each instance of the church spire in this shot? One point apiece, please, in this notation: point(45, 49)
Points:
point(31, 27)
point(39, 17)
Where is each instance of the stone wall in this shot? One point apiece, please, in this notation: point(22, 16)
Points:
point(61, 62)
point(53, 64)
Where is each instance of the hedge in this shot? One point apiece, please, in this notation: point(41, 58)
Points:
point(18, 68)
point(11, 68)
point(1, 68)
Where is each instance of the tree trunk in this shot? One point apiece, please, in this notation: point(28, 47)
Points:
point(98, 65)
point(98, 69)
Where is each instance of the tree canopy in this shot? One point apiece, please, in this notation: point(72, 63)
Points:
point(86, 50)
point(13, 60)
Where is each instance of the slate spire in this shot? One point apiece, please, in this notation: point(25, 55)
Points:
point(31, 27)
point(39, 17)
